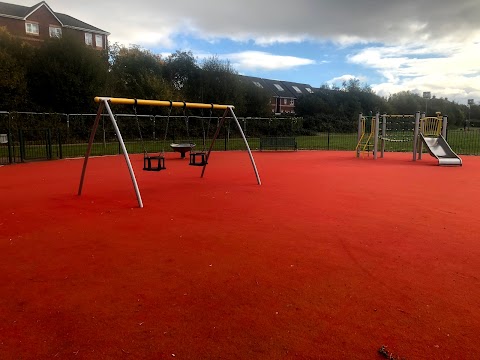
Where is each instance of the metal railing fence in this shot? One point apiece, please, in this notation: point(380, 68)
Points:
point(27, 136)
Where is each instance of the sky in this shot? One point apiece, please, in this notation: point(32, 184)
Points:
point(390, 45)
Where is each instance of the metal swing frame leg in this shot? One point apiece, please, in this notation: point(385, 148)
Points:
point(222, 122)
point(104, 103)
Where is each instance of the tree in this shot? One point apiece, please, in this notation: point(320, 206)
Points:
point(183, 73)
point(66, 75)
point(219, 82)
point(14, 60)
point(406, 102)
point(137, 73)
point(255, 101)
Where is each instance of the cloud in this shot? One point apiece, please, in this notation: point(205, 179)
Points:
point(448, 70)
point(254, 60)
point(268, 21)
point(410, 44)
point(338, 81)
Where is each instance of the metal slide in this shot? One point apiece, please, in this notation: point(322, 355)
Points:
point(439, 148)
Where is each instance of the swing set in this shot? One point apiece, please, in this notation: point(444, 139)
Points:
point(157, 162)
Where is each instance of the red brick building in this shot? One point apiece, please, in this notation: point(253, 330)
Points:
point(283, 94)
point(39, 22)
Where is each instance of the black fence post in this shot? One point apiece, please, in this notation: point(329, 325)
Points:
point(118, 139)
point(328, 139)
point(22, 145)
point(59, 140)
point(48, 134)
point(9, 145)
point(225, 125)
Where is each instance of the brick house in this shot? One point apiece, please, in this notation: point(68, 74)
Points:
point(283, 94)
point(39, 22)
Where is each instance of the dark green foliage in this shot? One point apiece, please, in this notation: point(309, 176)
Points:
point(14, 61)
point(63, 75)
point(219, 82)
point(254, 102)
point(328, 122)
point(406, 102)
point(66, 75)
point(183, 74)
point(137, 73)
point(337, 110)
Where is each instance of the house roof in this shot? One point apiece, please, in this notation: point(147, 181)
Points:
point(12, 10)
point(22, 12)
point(258, 82)
point(298, 89)
point(277, 87)
point(73, 23)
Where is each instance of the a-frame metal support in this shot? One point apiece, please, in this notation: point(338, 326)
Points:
point(104, 103)
point(221, 123)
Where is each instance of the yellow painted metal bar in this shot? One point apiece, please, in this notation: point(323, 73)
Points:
point(372, 132)
point(362, 132)
point(401, 116)
point(364, 145)
point(126, 101)
point(431, 125)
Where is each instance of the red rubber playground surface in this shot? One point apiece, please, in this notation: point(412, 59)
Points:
point(332, 257)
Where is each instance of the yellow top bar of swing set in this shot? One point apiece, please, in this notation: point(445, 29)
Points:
point(126, 101)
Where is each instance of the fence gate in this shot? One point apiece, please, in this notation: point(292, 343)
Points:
point(33, 144)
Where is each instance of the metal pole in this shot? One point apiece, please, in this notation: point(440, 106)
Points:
point(165, 103)
point(222, 122)
point(359, 133)
point(68, 129)
point(420, 143)
point(375, 141)
point(89, 147)
point(125, 154)
point(153, 117)
point(10, 139)
point(444, 126)
point(248, 147)
point(415, 135)
point(104, 136)
point(384, 133)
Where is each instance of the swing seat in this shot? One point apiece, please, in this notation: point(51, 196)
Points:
point(198, 158)
point(154, 163)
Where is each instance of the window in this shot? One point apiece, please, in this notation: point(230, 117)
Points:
point(99, 41)
point(88, 39)
point(309, 90)
point(257, 84)
point(297, 89)
point(31, 28)
point(55, 31)
point(292, 102)
point(279, 88)
point(284, 101)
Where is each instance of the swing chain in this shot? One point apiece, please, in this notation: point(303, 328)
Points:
point(166, 127)
point(145, 152)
